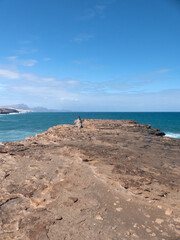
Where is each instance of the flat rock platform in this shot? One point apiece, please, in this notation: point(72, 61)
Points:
point(114, 180)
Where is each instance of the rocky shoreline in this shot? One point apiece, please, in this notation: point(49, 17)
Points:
point(13, 110)
point(116, 179)
point(8, 110)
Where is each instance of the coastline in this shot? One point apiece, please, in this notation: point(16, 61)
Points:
point(7, 111)
point(115, 175)
point(24, 125)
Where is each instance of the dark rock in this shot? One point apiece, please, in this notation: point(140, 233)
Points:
point(8, 110)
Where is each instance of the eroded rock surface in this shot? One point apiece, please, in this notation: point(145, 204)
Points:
point(113, 180)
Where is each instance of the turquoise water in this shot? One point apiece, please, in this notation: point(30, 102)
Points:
point(16, 127)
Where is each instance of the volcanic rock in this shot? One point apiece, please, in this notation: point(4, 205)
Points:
point(105, 182)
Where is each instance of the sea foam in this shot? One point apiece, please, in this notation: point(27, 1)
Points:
point(172, 135)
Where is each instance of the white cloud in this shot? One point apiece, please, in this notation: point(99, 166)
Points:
point(29, 62)
point(164, 70)
point(97, 67)
point(22, 51)
point(88, 14)
point(53, 94)
point(2, 86)
point(23, 62)
point(86, 95)
point(84, 61)
point(25, 50)
point(96, 11)
point(11, 58)
point(29, 77)
point(71, 83)
point(46, 59)
point(99, 9)
point(8, 74)
point(93, 12)
point(48, 79)
point(25, 42)
point(78, 62)
point(83, 37)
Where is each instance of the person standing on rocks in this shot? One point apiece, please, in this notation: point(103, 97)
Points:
point(79, 123)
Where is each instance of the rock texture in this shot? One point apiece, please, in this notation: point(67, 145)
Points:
point(113, 180)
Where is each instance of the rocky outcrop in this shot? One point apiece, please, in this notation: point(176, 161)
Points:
point(113, 180)
point(8, 110)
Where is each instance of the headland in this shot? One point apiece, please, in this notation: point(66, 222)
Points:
point(8, 110)
point(12, 110)
point(115, 179)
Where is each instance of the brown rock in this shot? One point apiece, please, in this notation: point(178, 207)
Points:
point(168, 212)
point(62, 184)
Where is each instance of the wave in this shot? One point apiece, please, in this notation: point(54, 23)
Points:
point(5, 114)
point(13, 113)
point(172, 135)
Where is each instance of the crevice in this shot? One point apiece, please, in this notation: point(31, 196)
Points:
point(47, 234)
point(8, 201)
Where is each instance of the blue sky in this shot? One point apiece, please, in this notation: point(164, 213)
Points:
point(98, 55)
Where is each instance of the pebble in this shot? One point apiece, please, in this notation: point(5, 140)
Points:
point(119, 209)
point(59, 218)
point(148, 230)
point(73, 199)
point(159, 221)
point(98, 217)
point(128, 233)
point(171, 226)
point(153, 234)
point(159, 206)
point(168, 211)
point(177, 219)
point(135, 235)
point(113, 228)
point(165, 234)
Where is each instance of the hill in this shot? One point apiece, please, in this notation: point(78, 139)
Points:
point(34, 109)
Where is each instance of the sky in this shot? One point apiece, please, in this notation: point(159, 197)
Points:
point(91, 55)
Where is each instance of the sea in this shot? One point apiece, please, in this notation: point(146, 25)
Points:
point(16, 127)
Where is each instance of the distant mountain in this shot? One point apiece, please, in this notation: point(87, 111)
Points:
point(35, 109)
point(42, 109)
point(19, 106)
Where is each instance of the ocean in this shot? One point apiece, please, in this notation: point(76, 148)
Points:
point(15, 127)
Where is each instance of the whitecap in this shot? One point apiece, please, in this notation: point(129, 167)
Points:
point(172, 135)
point(16, 113)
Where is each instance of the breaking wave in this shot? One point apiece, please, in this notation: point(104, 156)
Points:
point(172, 135)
